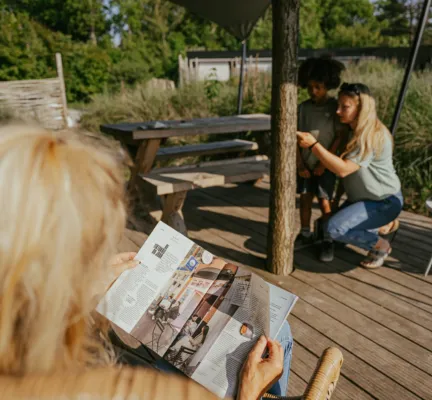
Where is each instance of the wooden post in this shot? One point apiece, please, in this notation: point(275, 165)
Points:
point(59, 65)
point(284, 142)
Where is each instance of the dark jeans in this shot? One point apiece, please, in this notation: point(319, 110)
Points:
point(358, 223)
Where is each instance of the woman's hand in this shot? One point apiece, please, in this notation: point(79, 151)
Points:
point(319, 170)
point(120, 263)
point(304, 173)
point(259, 374)
point(305, 139)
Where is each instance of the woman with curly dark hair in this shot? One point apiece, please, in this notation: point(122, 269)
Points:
point(318, 116)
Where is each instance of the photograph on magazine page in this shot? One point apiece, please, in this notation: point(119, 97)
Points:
point(171, 312)
point(218, 307)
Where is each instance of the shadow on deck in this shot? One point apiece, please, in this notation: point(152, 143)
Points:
point(381, 319)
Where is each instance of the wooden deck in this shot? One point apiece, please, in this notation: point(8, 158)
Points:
point(381, 320)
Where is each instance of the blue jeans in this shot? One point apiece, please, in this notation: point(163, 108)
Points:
point(280, 387)
point(286, 340)
point(358, 223)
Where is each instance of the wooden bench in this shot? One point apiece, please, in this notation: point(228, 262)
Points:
point(172, 184)
point(203, 149)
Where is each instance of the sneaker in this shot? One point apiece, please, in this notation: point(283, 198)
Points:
point(303, 239)
point(327, 251)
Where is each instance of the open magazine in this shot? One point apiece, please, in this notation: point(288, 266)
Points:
point(198, 312)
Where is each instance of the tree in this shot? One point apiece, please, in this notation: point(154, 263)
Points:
point(344, 12)
point(357, 35)
point(284, 143)
point(83, 20)
point(394, 14)
point(27, 51)
point(311, 34)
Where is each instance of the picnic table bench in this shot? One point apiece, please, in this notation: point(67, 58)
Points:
point(173, 183)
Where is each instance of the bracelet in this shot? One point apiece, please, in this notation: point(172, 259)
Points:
point(312, 145)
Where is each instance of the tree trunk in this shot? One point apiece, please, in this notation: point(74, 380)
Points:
point(284, 142)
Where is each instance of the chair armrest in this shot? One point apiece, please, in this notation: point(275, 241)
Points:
point(324, 379)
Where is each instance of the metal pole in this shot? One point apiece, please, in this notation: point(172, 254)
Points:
point(411, 62)
point(240, 87)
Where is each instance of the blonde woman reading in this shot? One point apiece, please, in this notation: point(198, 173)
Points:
point(62, 216)
point(371, 184)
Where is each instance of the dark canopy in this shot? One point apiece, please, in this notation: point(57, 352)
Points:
point(237, 17)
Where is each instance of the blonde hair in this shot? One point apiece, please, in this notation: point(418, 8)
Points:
point(369, 133)
point(62, 216)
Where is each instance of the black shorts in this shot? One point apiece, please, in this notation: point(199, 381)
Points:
point(321, 186)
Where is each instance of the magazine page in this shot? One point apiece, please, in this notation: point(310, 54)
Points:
point(241, 318)
point(135, 290)
point(198, 312)
point(281, 304)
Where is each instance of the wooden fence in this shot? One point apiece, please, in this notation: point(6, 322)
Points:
point(42, 100)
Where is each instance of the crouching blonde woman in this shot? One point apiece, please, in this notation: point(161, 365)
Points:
point(371, 184)
point(62, 216)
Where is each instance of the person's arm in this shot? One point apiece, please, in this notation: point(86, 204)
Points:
point(320, 168)
point(335, 164)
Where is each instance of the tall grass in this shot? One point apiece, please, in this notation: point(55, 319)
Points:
point(413, 142)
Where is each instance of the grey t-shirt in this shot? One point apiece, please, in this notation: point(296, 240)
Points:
point(376, 179)
point(323, 120)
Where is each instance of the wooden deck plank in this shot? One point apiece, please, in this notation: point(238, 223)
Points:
point(371, 352)
point(415, 236)
point(403, 316)
point(214, 239)
point(411, 295)
point(232, 223)
point(411, 262)
point(410, 241)
point(371, 380)
point(296, 385)
point(393, 367)
point(138, 238)
point(409, 281)
point(376, 334)
point(126, 245)
point(381, 320)
point(304, 363)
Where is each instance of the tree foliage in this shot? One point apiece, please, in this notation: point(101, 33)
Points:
point(107, 44)
point(82, 20)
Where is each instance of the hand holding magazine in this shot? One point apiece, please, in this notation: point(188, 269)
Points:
point(200, 313)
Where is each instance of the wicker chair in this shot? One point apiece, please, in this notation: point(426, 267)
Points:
point(320, 387)
point(324, 379)
point(128, 383)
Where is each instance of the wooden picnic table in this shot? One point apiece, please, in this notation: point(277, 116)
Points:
point(148, 135)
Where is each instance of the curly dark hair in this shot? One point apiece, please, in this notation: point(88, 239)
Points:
point(323, 69)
